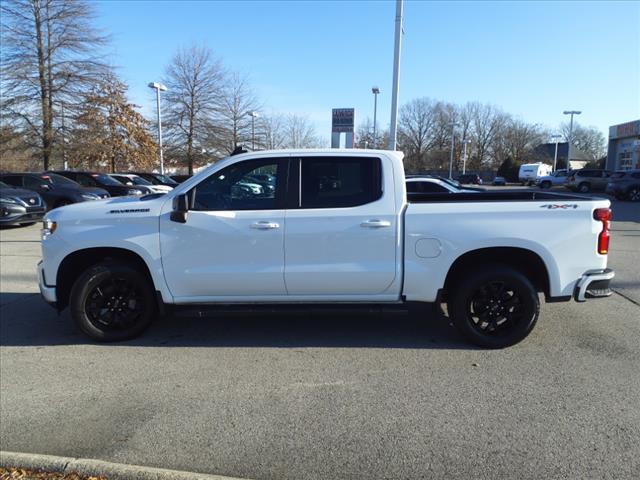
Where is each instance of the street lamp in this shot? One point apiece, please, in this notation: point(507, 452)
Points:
point(396, 75)
point(453, 126)
point(555, 155)
point(375, 91)
point(570, 139)
point(158, 87)
point(464, 155)
point(253, 116)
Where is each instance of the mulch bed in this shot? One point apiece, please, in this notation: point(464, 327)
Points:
point(23, 474)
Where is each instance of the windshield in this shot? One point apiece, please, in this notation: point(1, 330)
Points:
point(139, 181)
point(105, 179)
point(59, 180)
point(164, 178)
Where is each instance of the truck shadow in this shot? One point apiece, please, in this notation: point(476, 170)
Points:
point(25, 320)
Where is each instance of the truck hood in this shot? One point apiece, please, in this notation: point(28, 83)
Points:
point(109, 210)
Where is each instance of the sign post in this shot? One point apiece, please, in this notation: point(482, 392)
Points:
point(342, 121)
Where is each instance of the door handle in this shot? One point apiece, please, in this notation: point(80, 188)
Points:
point(265, 225)
point(375, 224)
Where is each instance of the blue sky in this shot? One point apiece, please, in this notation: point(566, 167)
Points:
point(532, 59)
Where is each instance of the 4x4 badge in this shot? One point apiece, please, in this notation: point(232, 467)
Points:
point(563, 206)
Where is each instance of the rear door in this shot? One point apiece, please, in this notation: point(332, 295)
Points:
point(341, 238)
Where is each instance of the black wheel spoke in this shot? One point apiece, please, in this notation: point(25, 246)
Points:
point(115, 304)
point(495, 308)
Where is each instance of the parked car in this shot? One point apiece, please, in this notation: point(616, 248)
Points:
point(19, 206)
point(530, 172)
point(135, 181)
point(555, 179)
point(587, 180)
point(470, 178)
point(120, 262)
point(499, 182)
point(55, 190)
point(625, 185)
point(104, 181)
point(180, 178)
point(427, 184)
point(157, 178)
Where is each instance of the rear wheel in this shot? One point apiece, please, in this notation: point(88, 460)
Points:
point(545, 184)
point(584, 187)
point(495, 307)
point(634, 194)
point(112, 301)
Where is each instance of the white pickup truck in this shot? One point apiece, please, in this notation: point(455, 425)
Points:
point(327, 227)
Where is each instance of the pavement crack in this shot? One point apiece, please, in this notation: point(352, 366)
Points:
point(626, 298)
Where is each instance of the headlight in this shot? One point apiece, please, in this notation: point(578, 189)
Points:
point(8, 200)
point(48, 227)
point(90, 196)
point(133, 191)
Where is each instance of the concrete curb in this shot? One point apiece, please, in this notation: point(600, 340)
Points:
point(85, 466)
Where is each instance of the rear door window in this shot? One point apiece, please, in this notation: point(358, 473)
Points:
point(338, 182)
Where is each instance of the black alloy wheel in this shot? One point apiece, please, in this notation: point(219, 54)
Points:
point(112, 301)
point(495, 307)
point(584, 188)
point(634, 194)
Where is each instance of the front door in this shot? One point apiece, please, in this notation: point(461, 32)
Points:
point(232, 244)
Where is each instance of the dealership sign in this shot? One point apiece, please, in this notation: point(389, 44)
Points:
point(629, 129)
point(342, 120)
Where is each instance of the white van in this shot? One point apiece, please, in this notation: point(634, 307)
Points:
point(530, 171)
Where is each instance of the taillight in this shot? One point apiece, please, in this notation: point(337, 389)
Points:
point(603, 215)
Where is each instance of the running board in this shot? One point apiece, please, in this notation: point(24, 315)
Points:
point(215, 310)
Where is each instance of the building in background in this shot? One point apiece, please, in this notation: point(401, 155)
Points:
point(545, 152)
point(624, 146)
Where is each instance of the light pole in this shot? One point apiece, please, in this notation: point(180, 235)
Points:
point(555, 155)
point(375, 91)
point(396, 76)
point(158, 87)
point(253, 116)
point(453, 133)
point(464, 155)
point(570, 139)
point(64, 150)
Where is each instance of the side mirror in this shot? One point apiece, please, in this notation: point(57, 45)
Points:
point(180, 209)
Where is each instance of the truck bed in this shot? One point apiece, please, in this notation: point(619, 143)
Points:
point(496, 196)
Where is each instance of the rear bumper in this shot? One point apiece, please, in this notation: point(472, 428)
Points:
point(594, 284)
point(47, 292)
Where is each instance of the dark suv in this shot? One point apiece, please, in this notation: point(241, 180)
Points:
point(102, 180)
point(470, 178)
point(587, 180)
point(625, 185)
point(54, 189)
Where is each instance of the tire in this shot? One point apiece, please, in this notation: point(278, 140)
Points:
point(545, 185)
point(633, 194)
point(94, 302)
point(495, 307)
point(584, 187)
point(28, 224)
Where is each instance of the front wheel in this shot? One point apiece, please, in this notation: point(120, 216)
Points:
point(495, 307)
point(112, 301)
point(634, 194)
point(545, 185)
point(584, 188)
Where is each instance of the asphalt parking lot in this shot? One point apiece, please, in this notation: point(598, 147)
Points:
point(314, 396)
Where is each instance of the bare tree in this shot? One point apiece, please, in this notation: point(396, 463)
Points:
point(195, 84)
point(50, 55)
point(416, 129)
point(270, 133)
point(300, 133)
point(233, 115)
point(589, 140)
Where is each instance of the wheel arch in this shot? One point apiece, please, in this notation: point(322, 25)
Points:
point(523, 260)
point(77, 262)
